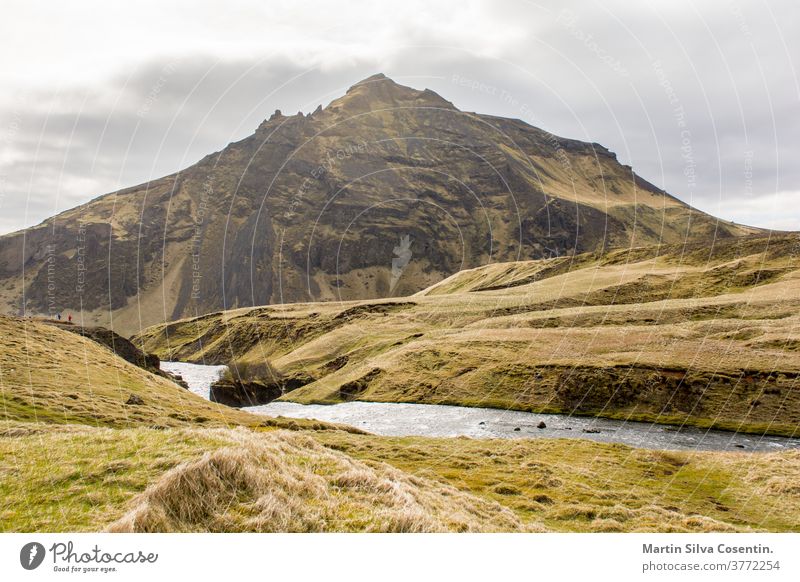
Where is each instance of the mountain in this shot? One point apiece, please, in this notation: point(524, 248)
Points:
point(384, 192)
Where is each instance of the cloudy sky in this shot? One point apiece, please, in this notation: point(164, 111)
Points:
point(701, 98)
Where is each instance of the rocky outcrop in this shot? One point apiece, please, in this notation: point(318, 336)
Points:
point(240, 393)
point(134, 400)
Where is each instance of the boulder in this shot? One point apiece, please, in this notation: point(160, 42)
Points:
point(134, 400)
point(177, 378)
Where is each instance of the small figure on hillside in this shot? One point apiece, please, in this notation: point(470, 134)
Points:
point(69, 318)
point(58, 316)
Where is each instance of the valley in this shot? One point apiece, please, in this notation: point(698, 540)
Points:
point(682, 335)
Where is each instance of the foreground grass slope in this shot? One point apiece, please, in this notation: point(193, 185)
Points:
point(696, 334)
point(567, 485)
point(79, 478)
point(283, 482)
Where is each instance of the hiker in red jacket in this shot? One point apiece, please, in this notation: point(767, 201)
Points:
point(69, 318)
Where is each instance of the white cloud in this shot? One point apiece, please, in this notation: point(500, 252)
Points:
point(78, 42)
point(777, 210)
point(81, 71)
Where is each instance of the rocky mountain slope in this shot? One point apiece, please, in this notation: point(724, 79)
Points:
point(384, 192)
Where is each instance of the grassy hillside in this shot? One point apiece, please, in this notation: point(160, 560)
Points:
point(51, 375)
point(696, 334)
point(568, 485)
point(80, 478)
point(676, 334)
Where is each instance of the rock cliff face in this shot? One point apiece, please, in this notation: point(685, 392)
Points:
point(383, 192)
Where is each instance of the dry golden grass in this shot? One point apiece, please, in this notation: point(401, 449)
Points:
point(285, 482)
point(51, 375)
point(565, 485)
point(79, 478)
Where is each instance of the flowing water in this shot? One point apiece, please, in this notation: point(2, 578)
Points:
point(199, 377)
point(400, 419)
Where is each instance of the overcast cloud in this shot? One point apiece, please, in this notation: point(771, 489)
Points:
point(701, 98)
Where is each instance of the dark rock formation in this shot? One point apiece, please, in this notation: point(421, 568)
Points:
point(239, 394)
point(177, 378)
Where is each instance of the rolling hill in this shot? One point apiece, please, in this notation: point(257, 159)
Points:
point(55, 376)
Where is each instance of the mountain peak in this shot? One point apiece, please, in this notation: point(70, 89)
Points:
point(380, 92)
point(375, 77)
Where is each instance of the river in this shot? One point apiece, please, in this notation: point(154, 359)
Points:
point(433, 420)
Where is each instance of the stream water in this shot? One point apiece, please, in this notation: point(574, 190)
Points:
point(400, 419)
point(198, 377)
